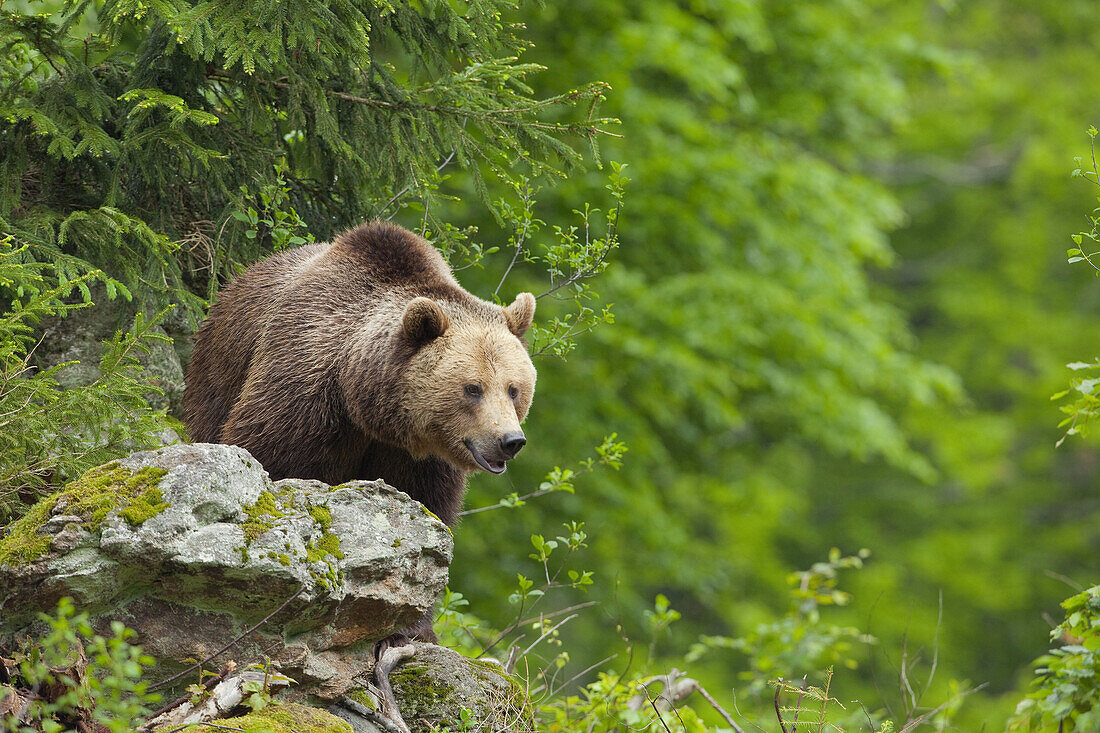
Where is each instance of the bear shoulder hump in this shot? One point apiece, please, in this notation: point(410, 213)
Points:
point(392, 254)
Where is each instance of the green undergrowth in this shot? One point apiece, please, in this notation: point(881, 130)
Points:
point(92, 497)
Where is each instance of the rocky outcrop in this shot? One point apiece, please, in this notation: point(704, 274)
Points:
point(440, 684)
point(79, 337)
point(197, 550)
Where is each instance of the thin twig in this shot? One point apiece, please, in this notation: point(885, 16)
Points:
point(578, 675)
point(612, 232)
point(917, 721)
point(405, 190)
point(487, 115)
point(870, 723)
point(500, 504)
point(798, 705)
point(778, 712)
point(209, 683)
point(579, 274)
point(903, 677)
point(1077, 587)
point(721, 711)
point(549, 631)
point(559, 612)
point(516, 624)
point(935, 645)
point(653, 704)
point(372, 715)
point(526, 197)
point(195, 666)
point(212, 725)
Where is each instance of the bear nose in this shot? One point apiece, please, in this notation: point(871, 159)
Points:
point(511, 443)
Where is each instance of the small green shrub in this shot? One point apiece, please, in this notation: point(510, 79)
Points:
point(49, 435)
point(1065, 694)
point(1081, 400)
point(74, 679)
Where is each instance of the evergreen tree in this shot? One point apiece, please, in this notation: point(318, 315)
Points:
point(132, 130)
point(159, 147)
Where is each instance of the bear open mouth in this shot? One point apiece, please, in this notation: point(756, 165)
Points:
point(490, 466)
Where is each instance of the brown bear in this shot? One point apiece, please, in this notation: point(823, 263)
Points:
point(364, 359)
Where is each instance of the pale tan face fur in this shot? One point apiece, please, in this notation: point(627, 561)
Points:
point(480, 383)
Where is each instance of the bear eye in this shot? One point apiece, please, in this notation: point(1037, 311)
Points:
point(513, 392)
point(473, 390)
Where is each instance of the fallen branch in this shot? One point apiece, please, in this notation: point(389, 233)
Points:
point(389, 659)
point(364, 712)
point(208, 683)
point(222, 700)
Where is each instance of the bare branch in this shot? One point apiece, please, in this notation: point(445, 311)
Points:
point(195, 666)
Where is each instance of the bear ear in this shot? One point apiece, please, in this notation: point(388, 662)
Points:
point(424, 320)
point(520, 314)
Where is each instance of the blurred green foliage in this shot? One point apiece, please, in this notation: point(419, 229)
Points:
point(831, 305)
point(841, 305)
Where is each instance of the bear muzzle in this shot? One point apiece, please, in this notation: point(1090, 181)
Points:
point(511, 443)
point(493, 457)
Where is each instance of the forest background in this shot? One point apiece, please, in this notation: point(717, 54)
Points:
point(840, 295)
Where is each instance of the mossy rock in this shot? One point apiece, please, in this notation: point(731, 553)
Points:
point(286, 717)
point(189, 545)
point(437, 685)
point(91, 498)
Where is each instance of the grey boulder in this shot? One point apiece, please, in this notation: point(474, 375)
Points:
point(197, 547)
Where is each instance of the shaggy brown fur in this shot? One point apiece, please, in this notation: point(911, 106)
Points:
point(364, 359)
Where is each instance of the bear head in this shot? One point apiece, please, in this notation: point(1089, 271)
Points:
point(470, 382)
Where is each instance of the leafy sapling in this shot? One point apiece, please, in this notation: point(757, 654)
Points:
point(72, 674)
point(609, 453)
point(1081, 400)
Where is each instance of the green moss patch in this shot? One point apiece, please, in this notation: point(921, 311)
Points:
point(419, 691)
point(364, 698)
point(91, 497)
point(281, 557)
point(329, 544)
point(322, 515)
point(261, 516)
point(148, 505)
point(23, 543)
point(286, 718)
